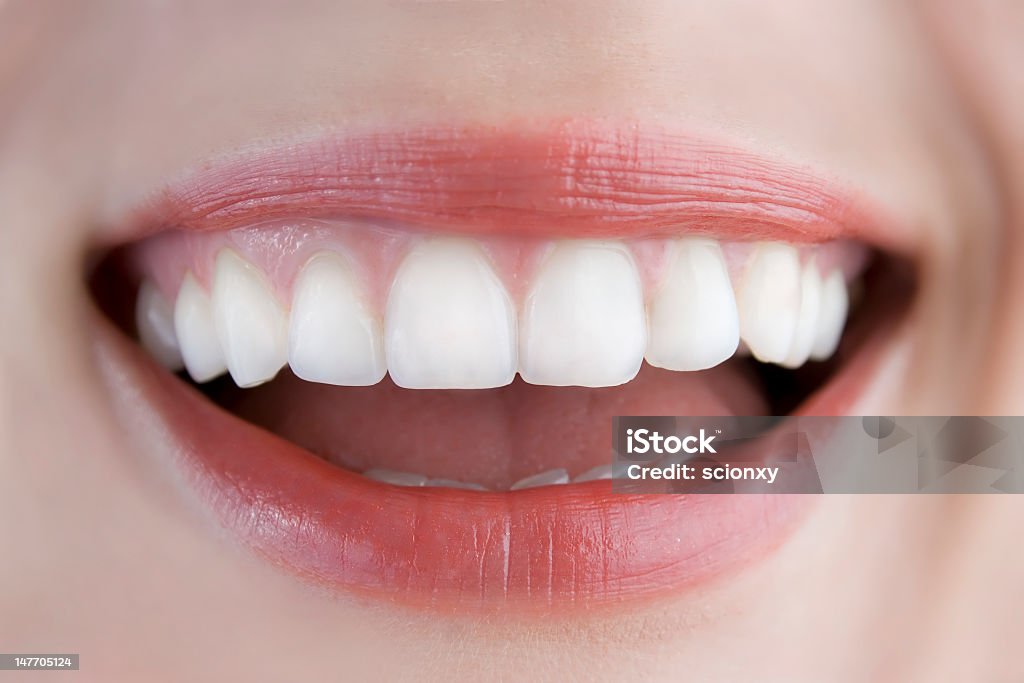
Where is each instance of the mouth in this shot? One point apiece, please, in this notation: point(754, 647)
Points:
point(389, 363)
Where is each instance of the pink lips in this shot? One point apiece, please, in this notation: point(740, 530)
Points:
point(573, 179)
point(576, 545)
point(566, 547)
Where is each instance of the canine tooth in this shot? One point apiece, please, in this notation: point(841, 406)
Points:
point(197, 336)
point(333, 336)
point(154, 320)
point(807, 323)
point(835, 305)
point(595, 473)
point(396, 478)
point(549, 478)
point(453, 484)
point(450, 323)
point(769, 301)
point(251, 326)
point(583, 322)
point(692, 320)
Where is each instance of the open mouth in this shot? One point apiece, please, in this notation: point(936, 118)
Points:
point(398, 356)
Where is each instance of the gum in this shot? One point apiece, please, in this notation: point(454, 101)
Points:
point(375, 250)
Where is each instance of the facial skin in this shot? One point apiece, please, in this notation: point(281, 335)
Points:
point(101, 103)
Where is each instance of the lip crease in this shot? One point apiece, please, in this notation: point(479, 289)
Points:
point(574, 178)
point(575, 545)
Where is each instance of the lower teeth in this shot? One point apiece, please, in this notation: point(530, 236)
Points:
point(553, 477)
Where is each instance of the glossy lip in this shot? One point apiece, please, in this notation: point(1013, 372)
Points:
point(578, 545)
point(574, 178)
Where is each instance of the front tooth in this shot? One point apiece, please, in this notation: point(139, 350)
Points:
point(333, 337)
point(251, 326)
point(396, 478)
point(807, 324)
point(583, 323)
point(449, 323)
point(769, 301)
point(693, 320)
point(455, 484)
point(595, 474)
point(549, 478)
point(154, 320)
point(197, 336)
point(835, 305)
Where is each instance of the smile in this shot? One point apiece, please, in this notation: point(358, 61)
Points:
point(388, 362)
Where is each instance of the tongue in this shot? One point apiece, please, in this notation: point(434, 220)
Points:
point(492, 437)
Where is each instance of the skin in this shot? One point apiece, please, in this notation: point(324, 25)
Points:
point(915, 105)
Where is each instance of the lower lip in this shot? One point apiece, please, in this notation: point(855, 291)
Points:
point(574, 546)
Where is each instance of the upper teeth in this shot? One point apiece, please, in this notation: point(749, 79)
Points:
point(695, 289)
point(583, 321)
point(251, 326)
point(193, 323)
point(334, 336)
point(155, 321)
point(450, 322)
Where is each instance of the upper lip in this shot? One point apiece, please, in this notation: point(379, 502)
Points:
point(573, 179)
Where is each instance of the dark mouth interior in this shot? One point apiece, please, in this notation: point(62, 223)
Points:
point(498, 436)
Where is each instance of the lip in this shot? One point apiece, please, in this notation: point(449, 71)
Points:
point(574, 178)
point(578, 545)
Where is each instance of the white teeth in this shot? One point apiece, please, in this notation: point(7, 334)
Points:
point(549, 478)
point(251, 327)
point(154, 320)
point(449, 323)
point(594, 474)
point(453, 484)
point(396, 478)
point(333, 336)
point(831, 316)
point(583, 322)
point(807, 324)
point(197, 337)
point(769, 301)
point(414, 480)
point(693, 320)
